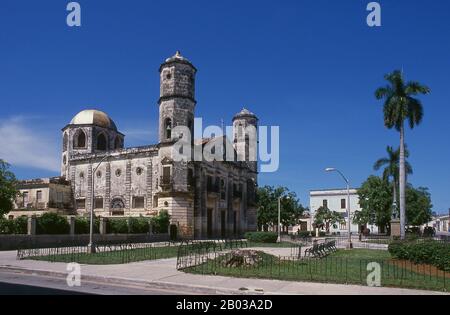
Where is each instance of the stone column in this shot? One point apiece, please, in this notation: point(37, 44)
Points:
point(103, 223)
point(31, 228)
point(395, 228)
point(128, 186)
point(107, 200)
point(72, 225)
point(149, 185)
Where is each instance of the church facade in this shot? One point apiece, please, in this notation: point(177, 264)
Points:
point(204, 199)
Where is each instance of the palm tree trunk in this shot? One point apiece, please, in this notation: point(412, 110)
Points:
point(394, 202)
point(402, 181)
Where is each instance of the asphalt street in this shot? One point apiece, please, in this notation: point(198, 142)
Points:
point(15, 283)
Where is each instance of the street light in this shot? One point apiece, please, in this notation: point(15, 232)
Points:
point(279, 218)
point(332, 169)
point(91, 245)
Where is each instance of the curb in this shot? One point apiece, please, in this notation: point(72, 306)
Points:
point(137, 283)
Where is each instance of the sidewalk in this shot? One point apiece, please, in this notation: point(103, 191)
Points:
point(163, 274)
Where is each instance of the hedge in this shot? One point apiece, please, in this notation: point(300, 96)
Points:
point(17, 226)
point(425, 252)
point(261, 237)
point(52, 224)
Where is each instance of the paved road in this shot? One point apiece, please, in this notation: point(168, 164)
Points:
point(23, 284)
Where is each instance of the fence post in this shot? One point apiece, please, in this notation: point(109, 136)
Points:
point(72, 225)
point(103, 223)
point(31, 228)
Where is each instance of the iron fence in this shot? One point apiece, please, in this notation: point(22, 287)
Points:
point(193, 253)
point(106, 253)
point(390, 273)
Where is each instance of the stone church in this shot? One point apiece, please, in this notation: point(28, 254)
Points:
point(204, 199)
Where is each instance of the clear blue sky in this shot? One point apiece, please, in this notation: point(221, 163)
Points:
point(310, 67)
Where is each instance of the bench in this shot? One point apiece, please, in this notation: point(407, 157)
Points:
point(321, 250)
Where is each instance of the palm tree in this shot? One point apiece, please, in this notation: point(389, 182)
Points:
point(391, 170)
point(400, 105)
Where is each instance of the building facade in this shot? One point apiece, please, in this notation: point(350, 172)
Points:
point(204, 198)
point(336, 200)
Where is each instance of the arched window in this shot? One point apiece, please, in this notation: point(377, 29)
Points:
point(168, 128)
point(117, 143)
point(79, 141)
point(240, 130)
point(65, 142)
point(101, 142)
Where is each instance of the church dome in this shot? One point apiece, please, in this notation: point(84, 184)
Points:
point(244, 113)
point(94, 117)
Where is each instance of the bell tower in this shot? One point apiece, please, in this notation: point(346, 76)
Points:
point(177, 96)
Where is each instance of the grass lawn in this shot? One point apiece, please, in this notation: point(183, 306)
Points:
point(114, 257)
point(348, 267)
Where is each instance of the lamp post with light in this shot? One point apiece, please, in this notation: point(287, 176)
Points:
point(332, 169)
point(279, 217)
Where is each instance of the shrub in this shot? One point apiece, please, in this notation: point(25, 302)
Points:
point(429, 231)
point(82, 225)
point(304, 234)
point(427, 252)
point(161, 222)
point(6, 226)
point(138, 225)
point(52, 223)
point(117, 226)
point(261, 237)
point(322, 234)
point(21, 225)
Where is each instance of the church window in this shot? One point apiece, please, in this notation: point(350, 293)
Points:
point(139, 171)
point(168, 128)
point(101, 142)
point(99, 174)
point(64, 160)
point(79, 141)
point(99, 203)
point(138, 202)
point(118, 172)
point(65, 141)
point(81, 175)
point(166, 175)
point(168, 76)
point(166, 204)
point(81, 203)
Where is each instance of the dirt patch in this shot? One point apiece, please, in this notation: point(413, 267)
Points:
point(423, 269)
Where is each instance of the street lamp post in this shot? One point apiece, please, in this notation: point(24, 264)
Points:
point(91, 245)
point(332, 169)
point(279, 218)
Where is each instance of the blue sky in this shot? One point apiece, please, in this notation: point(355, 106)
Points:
point(310, 67)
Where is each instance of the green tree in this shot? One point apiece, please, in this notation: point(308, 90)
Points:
point(291, 209)
point(418, 206)
point(375, 198)
point(325, 218)
point(391, 169)
point(8, 188)
point(400, 104)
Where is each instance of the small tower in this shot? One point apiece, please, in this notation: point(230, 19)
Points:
point(90, 131)
point(177, 96)
point(245, 125)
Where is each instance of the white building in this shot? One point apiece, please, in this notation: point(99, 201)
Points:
point(336, 200)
